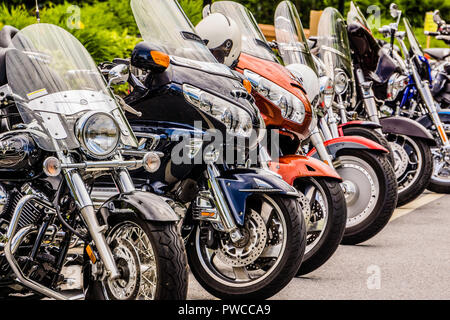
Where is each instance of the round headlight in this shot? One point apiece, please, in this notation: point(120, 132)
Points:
point(99, 134)
point(340, 82)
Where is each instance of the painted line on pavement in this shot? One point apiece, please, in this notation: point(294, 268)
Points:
point(416, 204)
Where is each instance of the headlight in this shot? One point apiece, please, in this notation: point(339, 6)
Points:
point(292, 108)
point(237, 120)
point(98, 134)
point(340, 82)
point(396, 84)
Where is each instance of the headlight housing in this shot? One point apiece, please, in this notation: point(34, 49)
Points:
point(340, 82)
point(396, 84)
point(98, 134)
point(237, 120)
point(292, 108)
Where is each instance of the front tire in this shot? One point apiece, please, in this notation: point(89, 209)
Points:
point(252, 277)
point(162, 260)
point(413, 166)
point(370, 190)
point(373, 135)
point(326, 221)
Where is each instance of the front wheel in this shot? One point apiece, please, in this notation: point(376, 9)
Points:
point(370, 190)
point(262, 263)
point(413, 166)
point(325, 212)
point(151, 260)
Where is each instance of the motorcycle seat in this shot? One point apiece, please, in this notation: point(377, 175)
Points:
point(6, 35)
point(438, 53)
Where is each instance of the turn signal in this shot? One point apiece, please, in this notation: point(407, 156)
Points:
point(247, 85)
point(152, 162)
point(160, 58)
point(52, 167)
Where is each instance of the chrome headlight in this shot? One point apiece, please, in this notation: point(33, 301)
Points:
point(396, 84)
point(292, 108)
point(98, 134)
point(237, 120)
point(340, 82)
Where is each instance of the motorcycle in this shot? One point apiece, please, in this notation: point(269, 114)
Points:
point(322, 199)
point(369, 183)
point(410, 95)
point(61, 130)
point(243, 226)
point(379, 77)
point(266, 75)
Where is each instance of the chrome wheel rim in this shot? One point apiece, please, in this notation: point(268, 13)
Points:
point(408, 161)
point(361, 188)
point(317, 219)
point(239, 274)
point(441, 167)
point(141, 244)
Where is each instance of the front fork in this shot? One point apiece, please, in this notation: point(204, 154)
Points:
point(427, 97)
point(318, 142)
point(84, 203)
point(225, 214)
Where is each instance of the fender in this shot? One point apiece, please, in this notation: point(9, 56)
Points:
point(144, 205)
point(350, 142)
point(407, 127)
point(425, 120)
point(237, 185)
point(294, 167)
point(359, 123)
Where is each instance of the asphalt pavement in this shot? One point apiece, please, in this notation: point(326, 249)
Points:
point(409, 259)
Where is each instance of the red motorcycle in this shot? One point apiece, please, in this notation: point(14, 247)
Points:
point(369, 183)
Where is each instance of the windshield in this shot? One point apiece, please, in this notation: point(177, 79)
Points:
point(291, 39)
point(253, 41)
point(54, 82)
point(356, 16)
point(163, 22)
point(413, 43)
point(334, 47)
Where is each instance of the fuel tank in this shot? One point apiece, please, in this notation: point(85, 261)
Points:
point(19, 157)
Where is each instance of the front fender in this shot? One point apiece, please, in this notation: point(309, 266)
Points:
point(295, 166)
point(334, 146)
point(406, 127)
point(144, 205)
point(238, 185)
point(360, 123)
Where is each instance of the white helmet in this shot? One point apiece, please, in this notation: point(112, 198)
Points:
point(222, 36)
point(308, 78)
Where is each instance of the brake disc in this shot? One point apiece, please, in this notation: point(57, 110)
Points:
point(401, 159)
point(250, 248)
point(306, 207)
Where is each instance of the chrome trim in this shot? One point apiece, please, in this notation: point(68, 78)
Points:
point(221, 204)
point(13, 242)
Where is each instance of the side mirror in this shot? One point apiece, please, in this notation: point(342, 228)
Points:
point(437, 18)
point(118, 75)
point(149, 57)
point(206, 11)
point(393, 9)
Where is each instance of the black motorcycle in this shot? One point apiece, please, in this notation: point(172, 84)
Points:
point(243, 227)
point(61, 129)
point(380, 80)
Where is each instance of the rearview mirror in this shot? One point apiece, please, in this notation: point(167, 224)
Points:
point(149, 57)
point(393, 8)
point(118, 75)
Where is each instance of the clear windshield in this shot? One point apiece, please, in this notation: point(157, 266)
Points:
point(413, 43)
point(292, 43)
point(334, 47)
point(163, 22)
point(253, 41)
point(55, 81)
point(355, 15)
